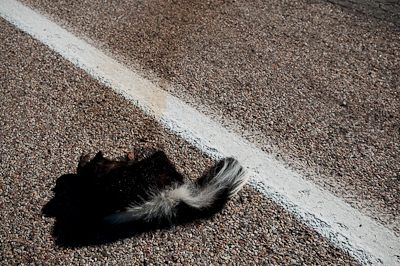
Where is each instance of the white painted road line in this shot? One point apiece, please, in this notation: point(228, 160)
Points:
point(363, 238)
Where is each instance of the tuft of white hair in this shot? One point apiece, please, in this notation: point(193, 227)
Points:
point(162, 204)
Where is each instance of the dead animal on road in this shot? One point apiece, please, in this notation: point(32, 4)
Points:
point(151, 190)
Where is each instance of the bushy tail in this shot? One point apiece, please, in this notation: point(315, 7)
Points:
point(223, 181)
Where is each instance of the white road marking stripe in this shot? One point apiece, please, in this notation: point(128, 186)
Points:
point(362, 237)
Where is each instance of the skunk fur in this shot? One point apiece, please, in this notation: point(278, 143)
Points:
point(152, 190)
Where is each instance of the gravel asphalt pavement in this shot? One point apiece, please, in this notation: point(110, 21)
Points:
point(314, 83)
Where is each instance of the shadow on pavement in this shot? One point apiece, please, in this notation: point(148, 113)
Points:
point(76, 221)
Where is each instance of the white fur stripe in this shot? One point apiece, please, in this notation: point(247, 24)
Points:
point(162, 204)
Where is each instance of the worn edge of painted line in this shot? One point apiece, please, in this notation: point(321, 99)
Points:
point(360, 236)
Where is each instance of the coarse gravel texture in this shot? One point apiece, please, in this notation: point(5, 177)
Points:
point(315, 84)
point(388, 10)
point(51, 112)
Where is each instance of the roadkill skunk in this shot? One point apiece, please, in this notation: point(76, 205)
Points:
point(151, 190)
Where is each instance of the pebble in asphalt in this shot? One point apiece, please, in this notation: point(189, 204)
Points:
point(51, 112)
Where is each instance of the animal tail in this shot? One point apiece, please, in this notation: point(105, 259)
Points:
point(208, 195)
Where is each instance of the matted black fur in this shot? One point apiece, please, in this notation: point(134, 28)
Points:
point(139, 193)
point(151, 189)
